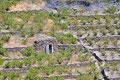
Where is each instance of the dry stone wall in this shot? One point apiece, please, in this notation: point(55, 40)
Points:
point(69, 46)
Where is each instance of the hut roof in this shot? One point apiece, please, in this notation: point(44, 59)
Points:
point(43, 37)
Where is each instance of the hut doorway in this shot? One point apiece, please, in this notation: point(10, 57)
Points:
point(49, 49)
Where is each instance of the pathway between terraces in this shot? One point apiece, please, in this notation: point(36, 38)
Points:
point(89, 49)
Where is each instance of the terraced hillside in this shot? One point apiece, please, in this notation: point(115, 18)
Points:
point(48, 43)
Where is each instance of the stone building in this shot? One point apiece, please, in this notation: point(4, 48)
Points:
point(46, 43)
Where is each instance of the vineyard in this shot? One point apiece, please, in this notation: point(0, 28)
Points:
point(65, 44)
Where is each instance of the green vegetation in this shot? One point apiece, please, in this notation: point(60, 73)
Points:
point(29, 51)
point(14, 63)
point(111, 9)
point(2, 50)
point(5, 38)
point(65, 38)
point(7, 3)
point(40, 64)
point(1, 60)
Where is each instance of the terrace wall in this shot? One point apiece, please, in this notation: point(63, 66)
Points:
point(70, 46)
point(15, 49)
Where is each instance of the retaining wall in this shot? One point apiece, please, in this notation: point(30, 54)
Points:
point(110, 49)
point(70, 46)
point(111, 78)
point(15, 49)
point(24, 69)
point(110, 36)
point(78, 26)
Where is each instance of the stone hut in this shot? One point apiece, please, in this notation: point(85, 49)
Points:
point(45, 43)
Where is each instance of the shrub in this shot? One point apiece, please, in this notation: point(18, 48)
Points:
point(60, 78)
point(111, 9)
point(30, 76)
point(7, 4)
point(115, 41)
point(8, 65)
point(89, 41)
point(86, 77)
point(32, 32)
point(13, 75)
point(24, 41)
point(28, 61)
point(5, 76)
point(68, 35)
point(24, 33)
point(2, 50)
point(95, 32)
point(66, 38)
point(63, 25)
point(20, 64)
point(51, 62)
point(79, 33)
point(112, 32)
point(73, 40)
point(5, 38)
point(14, 63)
point(40, 27)
point(112, 53)
point(0, 29)
point(103, 52)
point(59, 59)
point(82, 58)
point(118, 32)
point(1, 61)
point(116, 21)
point(28, 51)
point(100, 22)
point(104, 32)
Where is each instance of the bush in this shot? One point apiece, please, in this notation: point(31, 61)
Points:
point(28, 51)
point(63, 25)
point(79, 33)
point(24, 33)
point(2, 50)
point(115, 41)
point(95, 32)
point(14, 63)
point(73, 40)
point(5, 76)
point(13, 75)
point(0, 29)
point(111, 9)
point(40, 27)
point(68, 35)
point(8, 65)
point(89, 41)
point(7, 4)
point(24, 41)
point(66, 38)
point(118, 32)
point(27, 61)
point(112, 32)
point(59, 59)
point(5, 38)
point(19, 64)
point(86, 77)
point(32, 32)
point(104, 32)
point(100, 22)
point(1, 61)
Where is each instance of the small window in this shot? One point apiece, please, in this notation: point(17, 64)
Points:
point(49, 49)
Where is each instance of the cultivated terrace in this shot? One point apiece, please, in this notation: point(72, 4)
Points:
point(59, 40)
